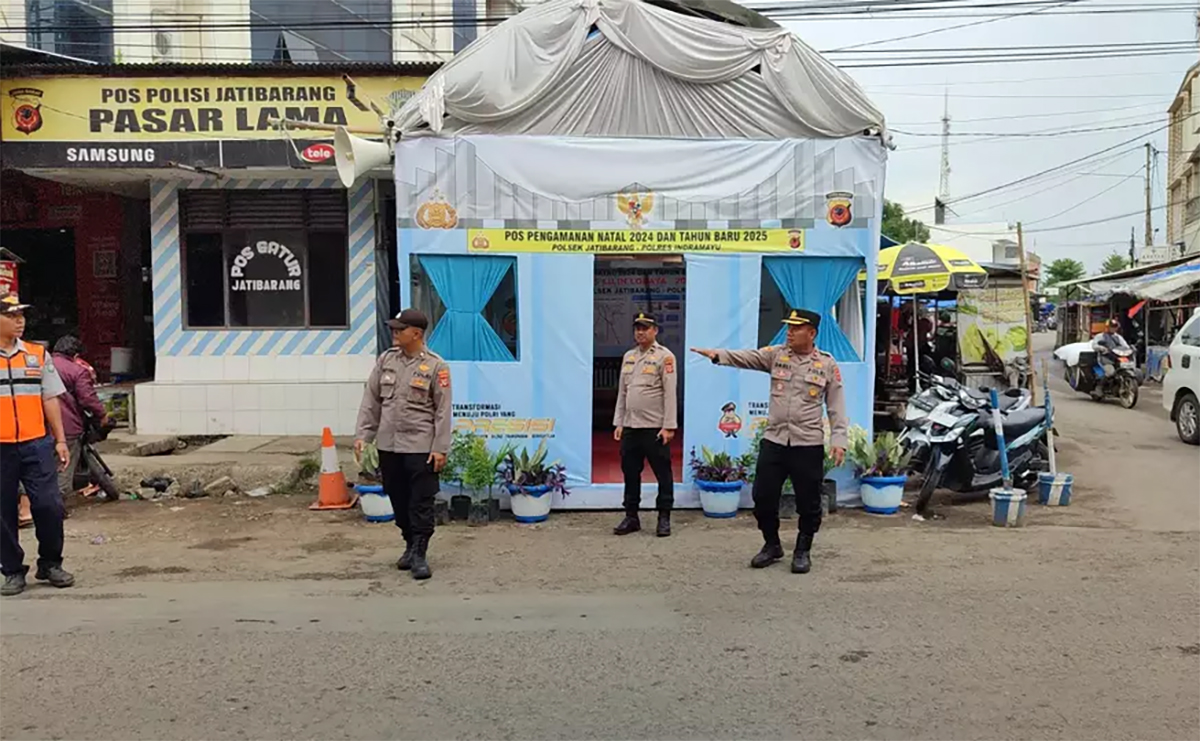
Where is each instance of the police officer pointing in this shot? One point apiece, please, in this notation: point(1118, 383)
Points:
point(646, 419)
point(406, 411)
point(803, 380)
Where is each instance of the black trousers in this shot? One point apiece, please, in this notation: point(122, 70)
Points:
point(639, 445)
point(411, 483)
point(34, 465)
point(805, 465)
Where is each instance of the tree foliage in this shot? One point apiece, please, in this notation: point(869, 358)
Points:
point(901, 228)
point(1113, 263)
point(1064, 269)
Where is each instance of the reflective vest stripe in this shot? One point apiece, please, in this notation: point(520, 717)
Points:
point(21, 413)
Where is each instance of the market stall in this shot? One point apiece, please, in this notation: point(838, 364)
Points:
point(711, 174)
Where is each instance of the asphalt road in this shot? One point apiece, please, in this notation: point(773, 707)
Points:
point(218, 620)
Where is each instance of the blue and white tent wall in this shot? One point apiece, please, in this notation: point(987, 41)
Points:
point(256, 382)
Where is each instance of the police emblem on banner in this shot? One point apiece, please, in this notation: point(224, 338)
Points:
point(436, 213)
point(480, 242)
point(838, 210)
point(27, 111)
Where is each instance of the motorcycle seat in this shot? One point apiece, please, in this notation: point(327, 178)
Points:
point(1018, 423)
point(1008, 399)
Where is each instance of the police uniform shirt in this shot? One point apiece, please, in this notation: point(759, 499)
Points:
point(406, 404)
point(646, 394)
point(52, 383)
point(801, 385)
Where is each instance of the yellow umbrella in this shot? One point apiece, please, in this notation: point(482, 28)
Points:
point(928, 268)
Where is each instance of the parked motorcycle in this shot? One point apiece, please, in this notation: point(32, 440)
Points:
point(92, 469)
point(1086, 374)
point(948, 395)
point(964, 453)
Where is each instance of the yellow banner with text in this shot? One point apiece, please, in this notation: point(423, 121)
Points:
point(114, 109)
point(619, 241)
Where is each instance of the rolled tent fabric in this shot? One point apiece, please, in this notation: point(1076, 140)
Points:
point(539, 73)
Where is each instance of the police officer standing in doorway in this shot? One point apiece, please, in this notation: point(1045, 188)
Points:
point(29, 391)
point(406, 411)
point(646, 419)
point(803, 380)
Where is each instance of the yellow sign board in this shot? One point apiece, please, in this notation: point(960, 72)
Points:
point(148, 109)
point(618, 241)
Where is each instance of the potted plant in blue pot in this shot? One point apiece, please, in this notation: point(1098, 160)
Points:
point(720, 478)
point(531, 482)
point(882, 466)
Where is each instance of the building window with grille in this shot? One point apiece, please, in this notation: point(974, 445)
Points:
point(264, 259)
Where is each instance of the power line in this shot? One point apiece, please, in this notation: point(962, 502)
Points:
point(1051, 133)
point(1085, 201)
point(1032, 115)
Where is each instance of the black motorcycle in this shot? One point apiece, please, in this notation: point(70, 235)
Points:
point(92, 469)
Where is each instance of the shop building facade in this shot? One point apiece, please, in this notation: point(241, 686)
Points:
point(265, 281)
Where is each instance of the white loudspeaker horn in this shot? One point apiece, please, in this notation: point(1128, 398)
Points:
point(356, 156)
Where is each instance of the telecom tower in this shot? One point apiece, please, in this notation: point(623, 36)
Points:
point(943, 196)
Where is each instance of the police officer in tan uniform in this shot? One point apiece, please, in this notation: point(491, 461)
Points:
point(805, 383)
point(406, 411)
point(646, 419)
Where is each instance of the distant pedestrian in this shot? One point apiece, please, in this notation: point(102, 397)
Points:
point(805, 382)
point(29, 458)
point(80, 400)
point(645, 420)
point(405, 411)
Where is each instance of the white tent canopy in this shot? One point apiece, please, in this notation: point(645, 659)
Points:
point(625, 68)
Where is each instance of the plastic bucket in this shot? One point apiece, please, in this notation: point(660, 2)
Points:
point(719, 498)
point(1008, 507)
point(1054, 490)
point(530, 503)
point(375, 505)
point(882, 495)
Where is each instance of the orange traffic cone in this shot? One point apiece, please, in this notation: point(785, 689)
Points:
point(332, 493)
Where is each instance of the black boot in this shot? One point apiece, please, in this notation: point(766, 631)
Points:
point(664, 524)
point(405, 562)
point(420, 567)
point(55, 575)
point(801, 562)
point(14, 584)
point(771, 552)
point(631, 524)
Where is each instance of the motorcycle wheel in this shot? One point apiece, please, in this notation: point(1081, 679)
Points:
point(102, 479)
point(933, 477)
point(1128, 392)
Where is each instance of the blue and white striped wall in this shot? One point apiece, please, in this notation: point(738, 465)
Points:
point(220, 381)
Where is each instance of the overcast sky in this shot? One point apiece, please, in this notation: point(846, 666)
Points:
point(1046, 95)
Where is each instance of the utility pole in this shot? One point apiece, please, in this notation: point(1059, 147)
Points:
point(1028, 314)
point(1149, 227)
point(1131, 243)
point(943, 196)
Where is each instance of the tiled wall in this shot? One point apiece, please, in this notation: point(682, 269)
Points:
point(247, 408)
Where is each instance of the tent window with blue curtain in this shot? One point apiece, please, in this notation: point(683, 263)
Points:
point(826, 285)
point(471, 302)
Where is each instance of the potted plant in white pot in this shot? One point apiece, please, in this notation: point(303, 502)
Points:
point(720, 478)
point(881, 465)
point(374, 503)
point(531, 482)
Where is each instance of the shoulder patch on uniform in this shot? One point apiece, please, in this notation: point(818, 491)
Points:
point(768, 348)
point(669, 364)
point(443, 377)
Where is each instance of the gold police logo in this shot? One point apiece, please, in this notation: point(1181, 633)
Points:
point(436, 213)
point(636, 207)
point(27, 111)
point(480, 242)
point(838, 208)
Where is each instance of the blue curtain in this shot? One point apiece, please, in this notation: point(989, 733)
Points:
point(465, 283)
point(816, 284)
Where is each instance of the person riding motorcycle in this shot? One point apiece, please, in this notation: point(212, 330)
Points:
point(1107, 343)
